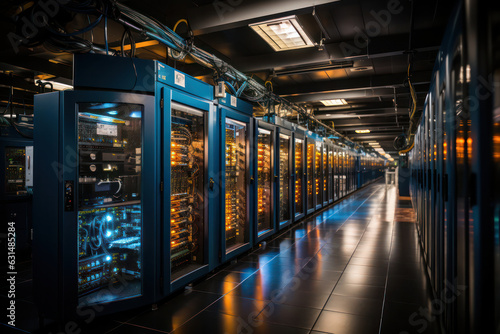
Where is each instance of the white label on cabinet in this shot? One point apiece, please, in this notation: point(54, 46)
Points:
point(107, 130)
point(179, 79)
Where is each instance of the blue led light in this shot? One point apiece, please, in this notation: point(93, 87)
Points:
point(113, 112)
point(108, 258)
point(108, 233)
point(109, 218)
point(135, 114)
point(103, 106)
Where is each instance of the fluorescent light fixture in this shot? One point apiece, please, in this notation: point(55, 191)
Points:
point(283, 34)
point(362, 131)
point(336, 102)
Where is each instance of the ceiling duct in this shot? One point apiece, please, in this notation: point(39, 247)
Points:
point(313, 68)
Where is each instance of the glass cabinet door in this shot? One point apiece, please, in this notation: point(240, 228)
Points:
point(299, 176)
point(187, 169)
point(330, 173)
point(284, 178)
point(325, 173)
point(344, 172)
point(264, 180)
point(310, 174)
point(336, 175)
point(110, 216)
point(235, 184)
point(318, 176)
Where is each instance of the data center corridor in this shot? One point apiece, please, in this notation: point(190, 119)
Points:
point(353, 268)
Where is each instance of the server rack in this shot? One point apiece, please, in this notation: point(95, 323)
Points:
point(326, 171)
point(96, 181)
point(331, 172)
point(265, 136)
point(285, 170)
point(352, 171)
point(336, 174)
point(313, 168)
point(186, 113)
point(178, 213)
point(318, 168)
point(300, 174)
point(15, 179)
point(189, 137)
point(237, 175)
point(342, 172)
point(284, 177)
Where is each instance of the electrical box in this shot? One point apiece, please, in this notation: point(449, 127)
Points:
point(220, 90)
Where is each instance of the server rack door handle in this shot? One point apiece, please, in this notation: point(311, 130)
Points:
point(211, 183)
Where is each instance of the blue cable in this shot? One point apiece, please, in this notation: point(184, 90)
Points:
point(231, 88)
point(81, 31)
point(241, 89)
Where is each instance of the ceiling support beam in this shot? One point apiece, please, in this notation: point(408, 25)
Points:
point(38, 65)
point(368, 82)
point(353, 94)
point(382, 46)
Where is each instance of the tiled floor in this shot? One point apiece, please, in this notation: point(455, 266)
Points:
point(351, 269)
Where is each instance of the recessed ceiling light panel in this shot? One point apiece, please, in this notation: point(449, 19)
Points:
point(283, 34)
point(336, 102)
point(362, 131)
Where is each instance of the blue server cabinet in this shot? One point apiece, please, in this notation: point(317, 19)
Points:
point(284, 177)
point(265, 183)
point(326, 171)
point(237, 174)
point(170, 222)
point(299, 172)
point(314, 169)
point(329, 172)
point(284, 172)
point(15, 199)
point(189, 141)
point(95, 202)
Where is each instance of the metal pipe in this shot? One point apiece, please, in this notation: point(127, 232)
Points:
point(320, 24)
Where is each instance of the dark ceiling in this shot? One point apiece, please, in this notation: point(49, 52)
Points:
point(364, 59)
